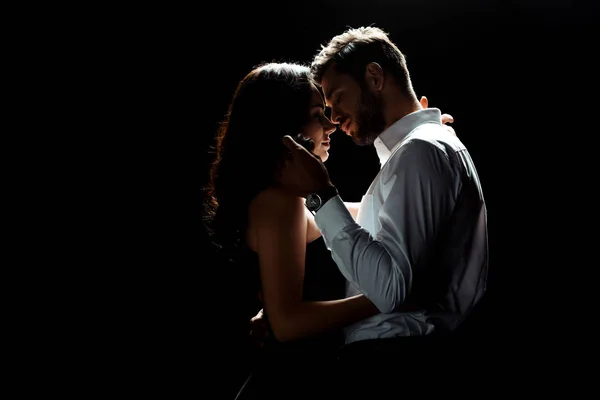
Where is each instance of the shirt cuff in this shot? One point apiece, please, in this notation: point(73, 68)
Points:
point(333, 217)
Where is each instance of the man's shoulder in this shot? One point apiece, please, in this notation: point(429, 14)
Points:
point(437, 136)
point(422, 142)
point(428, 144)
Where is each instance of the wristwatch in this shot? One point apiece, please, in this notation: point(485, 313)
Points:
point(315, 201)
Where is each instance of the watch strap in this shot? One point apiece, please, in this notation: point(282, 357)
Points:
point(327, 193)
point(323, 195)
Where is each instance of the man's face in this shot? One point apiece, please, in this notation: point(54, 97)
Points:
point(358, 110)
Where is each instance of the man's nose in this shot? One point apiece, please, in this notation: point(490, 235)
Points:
point(335, 117)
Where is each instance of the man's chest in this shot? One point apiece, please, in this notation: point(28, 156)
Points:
point(370, 205)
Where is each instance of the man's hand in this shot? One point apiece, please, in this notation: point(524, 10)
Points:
point(446, 118)
point(303, 173)
point(259, 330)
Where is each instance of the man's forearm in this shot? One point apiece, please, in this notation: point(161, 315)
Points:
point(363, 261)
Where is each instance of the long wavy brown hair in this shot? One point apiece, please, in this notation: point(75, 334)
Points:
point(271, 101)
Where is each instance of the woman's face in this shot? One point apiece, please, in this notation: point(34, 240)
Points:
point(319, 128)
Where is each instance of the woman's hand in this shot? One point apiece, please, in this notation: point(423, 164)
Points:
point(446, 118)
point(259, 329)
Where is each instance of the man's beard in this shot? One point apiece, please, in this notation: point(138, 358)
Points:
point(370, 121)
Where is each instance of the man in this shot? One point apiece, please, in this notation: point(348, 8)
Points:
point(418, 246)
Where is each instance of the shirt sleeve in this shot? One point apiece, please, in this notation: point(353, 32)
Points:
point(417, 190)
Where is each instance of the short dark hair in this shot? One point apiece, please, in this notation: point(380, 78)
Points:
point(351, 51)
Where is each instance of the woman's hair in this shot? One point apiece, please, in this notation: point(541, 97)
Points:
point(273, 100)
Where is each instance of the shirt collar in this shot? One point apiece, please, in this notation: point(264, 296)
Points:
point(395, 133)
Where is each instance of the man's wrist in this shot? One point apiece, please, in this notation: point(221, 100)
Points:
point(327, 193)
point(316, 200)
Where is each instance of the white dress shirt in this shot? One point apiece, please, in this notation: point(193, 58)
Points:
point(424, 211)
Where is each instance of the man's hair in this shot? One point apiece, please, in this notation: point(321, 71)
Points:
point(351, 51)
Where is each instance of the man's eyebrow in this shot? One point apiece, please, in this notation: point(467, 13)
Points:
point(331, 92)
point(319, 105)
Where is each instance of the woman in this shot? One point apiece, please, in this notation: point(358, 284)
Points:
point(270, 234)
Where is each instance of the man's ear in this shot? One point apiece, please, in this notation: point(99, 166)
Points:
point(374, 76)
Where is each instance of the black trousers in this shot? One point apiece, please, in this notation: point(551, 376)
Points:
point(380, 368)
point(292, 374)
point(356, 371)
point(415, 366)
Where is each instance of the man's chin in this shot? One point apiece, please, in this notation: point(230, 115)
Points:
point(363, 140)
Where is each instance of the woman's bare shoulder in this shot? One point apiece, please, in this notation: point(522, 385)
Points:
point(275, 201)
point(271, 211)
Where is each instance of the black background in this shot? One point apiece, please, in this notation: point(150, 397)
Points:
point(506, 71)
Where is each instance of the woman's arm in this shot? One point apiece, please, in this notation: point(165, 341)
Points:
point(279, 223)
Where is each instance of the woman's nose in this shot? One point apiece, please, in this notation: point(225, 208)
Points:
point(328, 126)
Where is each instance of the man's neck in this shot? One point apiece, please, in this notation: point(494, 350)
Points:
point(399, 107)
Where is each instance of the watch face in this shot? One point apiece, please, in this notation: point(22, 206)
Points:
point(312, 202)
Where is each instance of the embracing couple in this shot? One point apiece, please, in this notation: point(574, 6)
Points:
point(344, 282)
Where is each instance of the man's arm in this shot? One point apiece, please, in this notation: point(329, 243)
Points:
point(420, 198)
point(278, 222)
